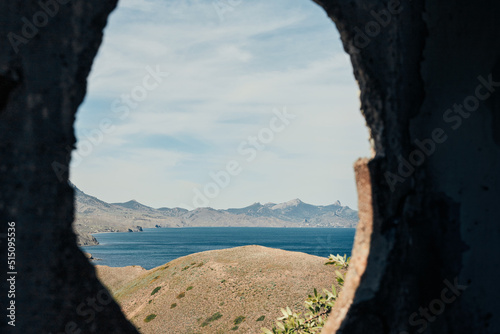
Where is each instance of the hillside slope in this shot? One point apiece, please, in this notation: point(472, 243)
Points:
point(207, 292)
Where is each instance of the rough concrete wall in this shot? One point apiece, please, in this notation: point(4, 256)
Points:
point(423, 227)
point(434, 186)
point(43, 70)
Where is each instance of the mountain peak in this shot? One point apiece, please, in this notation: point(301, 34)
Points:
point(292, 203)
point(133, 204)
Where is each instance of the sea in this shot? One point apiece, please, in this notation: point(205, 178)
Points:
point(156, 246)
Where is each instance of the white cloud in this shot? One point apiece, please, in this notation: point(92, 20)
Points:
point(233, 53)
point(226, 78)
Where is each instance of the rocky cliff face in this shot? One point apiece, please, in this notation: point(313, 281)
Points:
point(429, 76)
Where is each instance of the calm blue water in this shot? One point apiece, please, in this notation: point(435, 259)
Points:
point(155, 247)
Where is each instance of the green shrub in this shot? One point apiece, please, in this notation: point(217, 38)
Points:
point(235, 328)
point(213, 317)
point(150, 317)
point(261, 318)
point(239, 320)
point(156, 290)
point(173, 305)
point(181, 295)
point(318, 307)
point(190, 288)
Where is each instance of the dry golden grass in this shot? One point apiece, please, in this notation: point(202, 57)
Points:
point(236, 290)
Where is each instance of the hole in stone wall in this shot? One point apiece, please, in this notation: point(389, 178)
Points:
point(215, 104)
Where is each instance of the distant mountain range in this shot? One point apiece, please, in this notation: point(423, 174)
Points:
point(93, 215)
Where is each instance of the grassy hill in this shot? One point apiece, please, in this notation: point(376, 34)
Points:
point(236, 290)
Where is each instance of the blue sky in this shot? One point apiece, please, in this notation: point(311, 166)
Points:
point(232, 66)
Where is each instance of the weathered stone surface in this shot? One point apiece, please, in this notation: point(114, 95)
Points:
point(422, 226)
point(43, 81)
point(434, 224)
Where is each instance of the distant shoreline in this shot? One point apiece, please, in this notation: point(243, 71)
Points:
point(93, 216)
point(162, 245)
point(133, 229)
point(195, 227)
